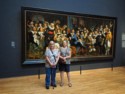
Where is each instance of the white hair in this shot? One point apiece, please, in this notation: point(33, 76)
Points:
point(51, 42)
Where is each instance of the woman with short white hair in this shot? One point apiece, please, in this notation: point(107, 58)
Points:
point(52, 57)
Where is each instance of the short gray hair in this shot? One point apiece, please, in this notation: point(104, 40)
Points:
point(51, 42)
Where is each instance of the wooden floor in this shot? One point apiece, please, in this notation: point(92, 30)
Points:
point(97, 81)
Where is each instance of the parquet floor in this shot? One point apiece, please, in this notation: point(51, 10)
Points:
point(95, 81)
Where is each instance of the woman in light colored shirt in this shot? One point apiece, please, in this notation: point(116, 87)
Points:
point(65, 54)
point(52, 57)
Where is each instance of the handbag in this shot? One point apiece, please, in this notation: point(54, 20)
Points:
point(61, 61)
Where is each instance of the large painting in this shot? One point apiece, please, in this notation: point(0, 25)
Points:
point(90, 37)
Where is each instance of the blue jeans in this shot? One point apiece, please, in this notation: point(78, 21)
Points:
point(50, 72)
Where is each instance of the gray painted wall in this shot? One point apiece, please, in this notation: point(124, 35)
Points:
point(10, 29)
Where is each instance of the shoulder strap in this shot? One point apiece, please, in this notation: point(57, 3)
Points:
point(67, 50)
point(53, 55)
